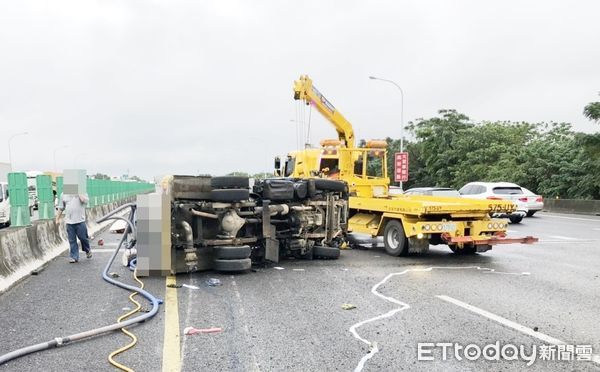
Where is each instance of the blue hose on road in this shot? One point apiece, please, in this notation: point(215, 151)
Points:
point(60, 341)
point(133, 264)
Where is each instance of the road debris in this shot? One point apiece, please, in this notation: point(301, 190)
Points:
point(192, 331)
point(190, 286)
point(101, 242)
point(173, 285)
point(348, 306)
point(213, 282)
point(113, 275)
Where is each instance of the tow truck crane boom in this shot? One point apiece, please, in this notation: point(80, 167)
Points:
point(305, 90)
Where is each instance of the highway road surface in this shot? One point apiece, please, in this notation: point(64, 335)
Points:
point(408, 312)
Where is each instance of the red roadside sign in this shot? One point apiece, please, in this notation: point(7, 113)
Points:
point(401, 167)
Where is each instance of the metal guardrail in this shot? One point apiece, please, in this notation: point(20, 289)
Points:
point(576, 206)
point(100, 192)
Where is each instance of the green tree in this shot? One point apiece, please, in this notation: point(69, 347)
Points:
point(592, 111)
point(101, 176)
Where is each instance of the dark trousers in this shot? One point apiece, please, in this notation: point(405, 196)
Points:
point(75, 231)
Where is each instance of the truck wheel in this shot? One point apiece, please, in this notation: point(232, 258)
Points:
point(300, 189)
point(515, 218)
point(230, 182)
point(232, 265)
point(231, 252)
point(396, 243)
point(229, 195)
point(311, 189)
point(329, 185)
point(326, 252)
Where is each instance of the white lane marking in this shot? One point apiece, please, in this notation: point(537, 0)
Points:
point(188, 313)
point(403, 306)
point(497, 318)
point(578, 241)
point(254, 366)
point(562, 237)
point(509, 323)
point(572, 218)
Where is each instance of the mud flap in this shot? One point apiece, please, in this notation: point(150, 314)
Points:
point(418, 245)
point(268, 232)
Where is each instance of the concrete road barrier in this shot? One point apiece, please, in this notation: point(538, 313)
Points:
point(576, 206)
point(25, 249)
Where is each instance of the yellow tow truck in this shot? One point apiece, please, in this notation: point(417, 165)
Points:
point(408, 223)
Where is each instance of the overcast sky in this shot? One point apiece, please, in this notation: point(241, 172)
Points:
point(158, 87)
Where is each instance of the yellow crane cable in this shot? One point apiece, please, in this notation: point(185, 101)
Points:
point(131, 335)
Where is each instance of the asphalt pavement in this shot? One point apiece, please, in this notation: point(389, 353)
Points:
point(290, 316)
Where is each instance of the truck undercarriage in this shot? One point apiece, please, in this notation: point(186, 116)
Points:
point(220, 223)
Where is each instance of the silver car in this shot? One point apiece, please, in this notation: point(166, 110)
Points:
point(498, 190)
point(535, 203)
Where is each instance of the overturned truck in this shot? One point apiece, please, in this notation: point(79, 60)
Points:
point(222, 223)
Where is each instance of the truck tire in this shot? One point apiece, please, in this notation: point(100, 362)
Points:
point(515, 218)
point(230, 182)
point(329, 185)
point(300, 189)
point(394, 239)
point(311, 188)
point(229, 195)
point(229, 252)
point(320, 251)
point(232, 265)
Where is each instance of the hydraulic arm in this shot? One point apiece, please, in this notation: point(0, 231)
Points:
point(306, 91)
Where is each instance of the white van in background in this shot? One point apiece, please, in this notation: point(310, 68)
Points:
point(4, 205)
point(32, 189)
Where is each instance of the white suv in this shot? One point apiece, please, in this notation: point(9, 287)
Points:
point(498, 190)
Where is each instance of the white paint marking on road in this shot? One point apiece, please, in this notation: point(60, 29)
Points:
point(497, 318)
point(402, 306)
point(562, 237)
point(508, 323)
point(188, 313)
point(572, 218)
point(578, 241)
point(524, 273)
point(254, 366)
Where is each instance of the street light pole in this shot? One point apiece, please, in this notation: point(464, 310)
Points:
point(401, 113)
point(55, 150)
point(9, 152)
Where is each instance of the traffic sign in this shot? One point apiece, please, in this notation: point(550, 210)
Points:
point(401, 167)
